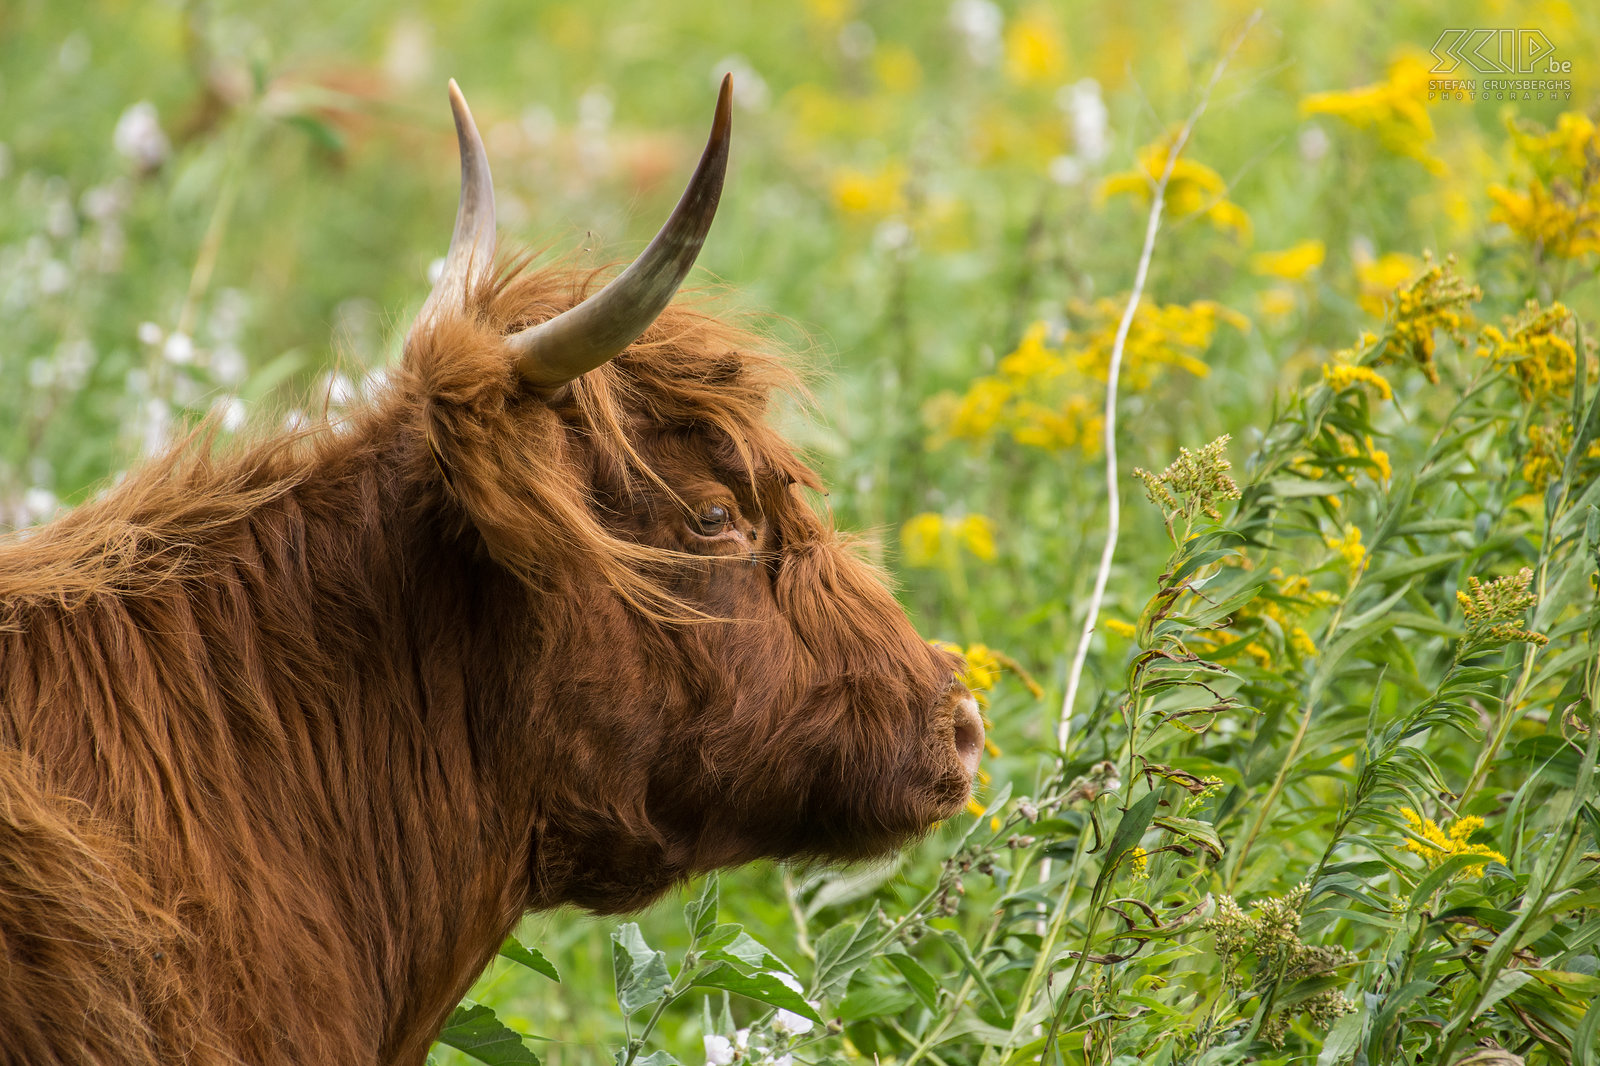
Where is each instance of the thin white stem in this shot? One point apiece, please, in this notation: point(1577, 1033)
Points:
point(1113, 373)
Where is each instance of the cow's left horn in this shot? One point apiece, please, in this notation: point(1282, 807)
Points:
point(471, 251)
point(583, 337)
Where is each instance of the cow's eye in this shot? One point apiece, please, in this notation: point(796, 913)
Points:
point(712, 520)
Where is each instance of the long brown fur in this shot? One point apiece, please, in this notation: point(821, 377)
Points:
point(292, 734)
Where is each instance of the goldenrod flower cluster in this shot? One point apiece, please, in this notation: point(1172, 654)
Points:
point(1035, 51)
point(1396, 109)
point(1342, 376)
point(1494, 612)
point(1273, 938)
point(1192, 484)
point(1539, 346)
point(1192, 188)
point(1436, 300)
point(931, 539)
point(1558, 209)
point(1377, 278)
point(1294, 263)
point(1039, 395)
point(1442, 844)
point(1348, 545)
point(1283, 612)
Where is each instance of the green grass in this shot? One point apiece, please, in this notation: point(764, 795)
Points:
point(1269, 691)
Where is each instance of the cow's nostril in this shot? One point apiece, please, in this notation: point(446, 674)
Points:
point(969, 733)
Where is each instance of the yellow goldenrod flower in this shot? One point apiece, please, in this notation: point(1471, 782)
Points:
point(1277, 303)
point(1120, 628)
point(1379, 278)
point(928, 538)
point(1343, 376)
point(1291, 264)
point(1436, 301)
point(1033, 361)
point(1437, 844)
point(976, 533)
point(1035, 52)
point(1301, 642)
point(1138, 862)
point(897, 68)
point(1380, 459)
point(1395, 109)
point(921, 539)
point(871, 195)
point(983, 668)
point(1540, 347)
point(1350, 547)
point(1192, 188)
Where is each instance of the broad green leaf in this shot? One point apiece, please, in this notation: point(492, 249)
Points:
point(744, 952)
point(473, 1030)
point(640, 971)
point(843, 950)
point(700, 913)
point(532, 958)
point(919, 980)
point(762, 986)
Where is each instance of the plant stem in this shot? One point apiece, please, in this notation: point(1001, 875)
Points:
point(1158, 195)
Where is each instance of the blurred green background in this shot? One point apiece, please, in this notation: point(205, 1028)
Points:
point(230, 209)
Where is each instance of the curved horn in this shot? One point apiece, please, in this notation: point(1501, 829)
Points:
point(472, 244)
point(583, 337)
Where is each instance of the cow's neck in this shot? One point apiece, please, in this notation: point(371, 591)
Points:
point(428, 852)
point(285, 733)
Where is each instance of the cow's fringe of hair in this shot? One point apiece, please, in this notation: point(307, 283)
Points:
point(510, 456)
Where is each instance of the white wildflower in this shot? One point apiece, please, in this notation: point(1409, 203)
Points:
point(150, 333)
point(790, 1023)
point(228, 365)
point(719, 1050)
point(978, 24)
point(38, 504)
point(178, 349)
point(1313, 142)
point(1088, 118)
point(1066, 170)
point(749, 88)
point(231, 413)
point(138, 136)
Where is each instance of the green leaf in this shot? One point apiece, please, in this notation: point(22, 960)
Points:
point(1340, 1043)
point(874, 1001)
point(640, 971)
point(1586, 1037)
point(1506, 983)
point(964, 953)
point(700, 913)
point(844, 949)
point(918, 979)
point(656, 1058)
point(532, 958)
point(745, 953)
point(473, 1030)
point(1294, 488)
point(761, 986)
point(1133, 825)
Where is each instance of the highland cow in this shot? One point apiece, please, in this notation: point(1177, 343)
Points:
point(293, 733)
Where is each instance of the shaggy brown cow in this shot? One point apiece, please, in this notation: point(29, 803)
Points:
point(291, 736)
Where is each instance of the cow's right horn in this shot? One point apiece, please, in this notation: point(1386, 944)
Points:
point(471, 253)
point(581, 338)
